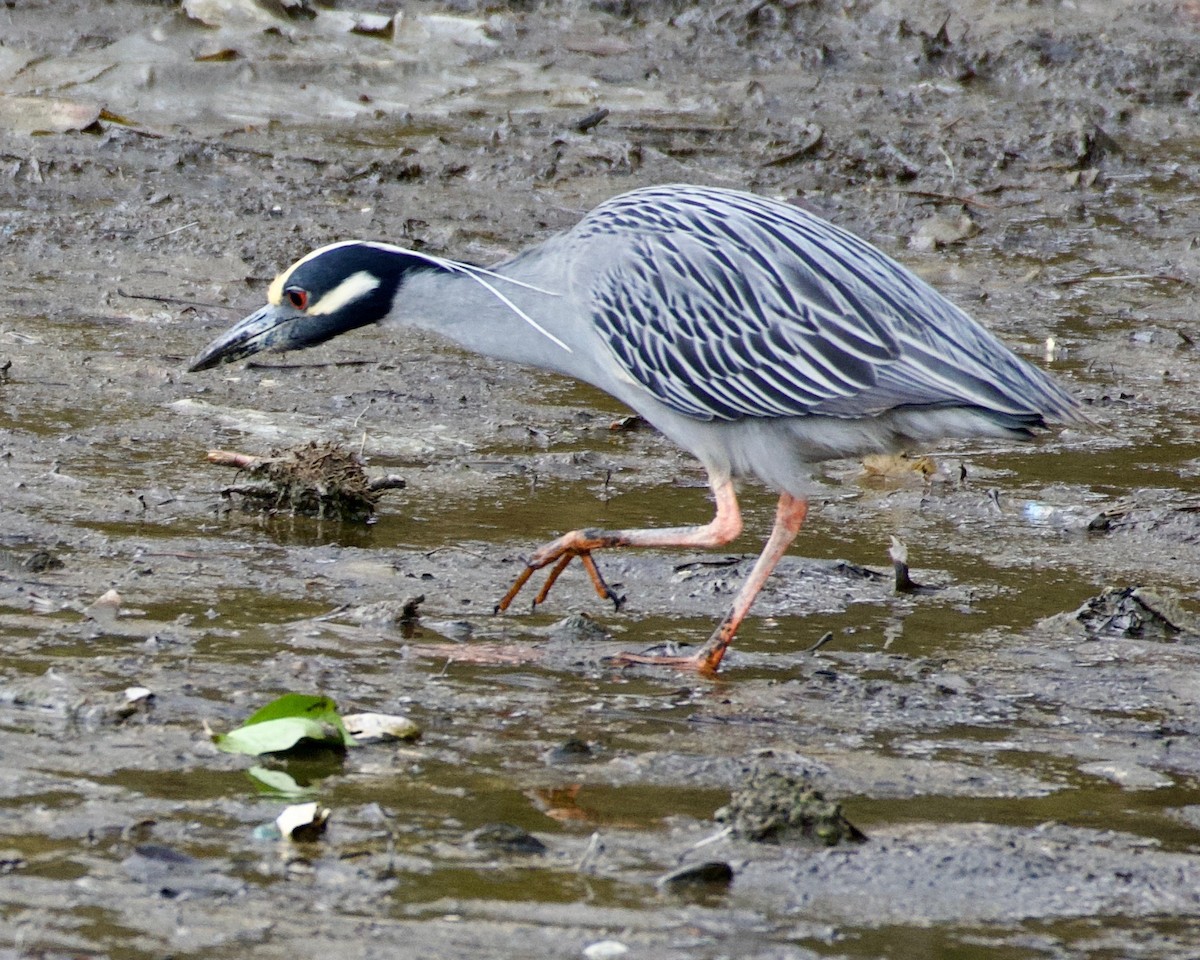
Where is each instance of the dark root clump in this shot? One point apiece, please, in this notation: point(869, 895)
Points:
point(323, 480)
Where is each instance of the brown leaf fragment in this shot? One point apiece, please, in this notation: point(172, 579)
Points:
point(224, 55)
point(42, 115)
point(898, 466)
point(598, 46)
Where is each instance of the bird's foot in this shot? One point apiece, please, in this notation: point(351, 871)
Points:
point(700, 662)
point(704, 661)
point(558, 556)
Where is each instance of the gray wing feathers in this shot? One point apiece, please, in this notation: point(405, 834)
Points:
point(724, 305)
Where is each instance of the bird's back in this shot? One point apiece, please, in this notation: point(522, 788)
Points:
point(726, 306)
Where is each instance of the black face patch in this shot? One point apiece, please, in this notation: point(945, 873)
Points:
point(322, 275)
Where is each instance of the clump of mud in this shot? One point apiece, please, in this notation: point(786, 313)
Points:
point(1136, 613)
point(39, 561)
point(772, 807)
point(323, 480)
point(505, 838)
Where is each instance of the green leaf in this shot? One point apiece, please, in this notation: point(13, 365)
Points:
point(272, 736)
point(279, 783)
point(283, 723)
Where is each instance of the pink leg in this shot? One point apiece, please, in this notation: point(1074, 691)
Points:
point(557, 554)
point(789, 517)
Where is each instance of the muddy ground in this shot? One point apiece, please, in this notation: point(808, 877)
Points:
point(1020, 746)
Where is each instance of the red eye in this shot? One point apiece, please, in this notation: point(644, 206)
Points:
point(297, 298)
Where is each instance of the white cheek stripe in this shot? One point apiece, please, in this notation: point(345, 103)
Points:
point(354, 287)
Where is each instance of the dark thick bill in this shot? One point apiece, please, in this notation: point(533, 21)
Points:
point(249, 336)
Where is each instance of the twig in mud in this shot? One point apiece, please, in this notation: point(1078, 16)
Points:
point(471, 553)
point(331, 615)
point(227, 458)
point(711, 838)
point(592, 853)
point(821, 641)
point(261, 491)
point(898, 552)
point(1117, 278)
point(949, 161)
point(170, 232)
point(702, 564)
point(593, 119)
point(254, 365)
point(173, 300)
point(815, 135)
point(935, 197)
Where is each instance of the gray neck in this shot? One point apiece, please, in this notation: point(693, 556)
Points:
point(460, 308)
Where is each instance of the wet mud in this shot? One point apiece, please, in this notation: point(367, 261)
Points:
point(1017, 740)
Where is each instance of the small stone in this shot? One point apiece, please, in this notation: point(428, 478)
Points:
point(698, 877)
point(572, 750)
point(505, 838)
point(380, 726)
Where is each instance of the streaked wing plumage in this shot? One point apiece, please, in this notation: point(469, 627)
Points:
point(724, 306)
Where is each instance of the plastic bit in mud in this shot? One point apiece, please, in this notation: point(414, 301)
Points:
point(133, 701)
point(303, 822)
point(322, 480)
point(605, 950)
point(105, 609)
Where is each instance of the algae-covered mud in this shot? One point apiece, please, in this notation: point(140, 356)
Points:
point(1013, 746)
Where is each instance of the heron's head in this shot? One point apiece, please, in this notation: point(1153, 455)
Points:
point(328, 292)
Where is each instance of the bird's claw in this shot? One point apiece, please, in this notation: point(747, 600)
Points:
point(560, 555)
point(700, 662)
point(704, 661)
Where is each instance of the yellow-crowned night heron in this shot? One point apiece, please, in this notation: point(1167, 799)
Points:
point(753, 334)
